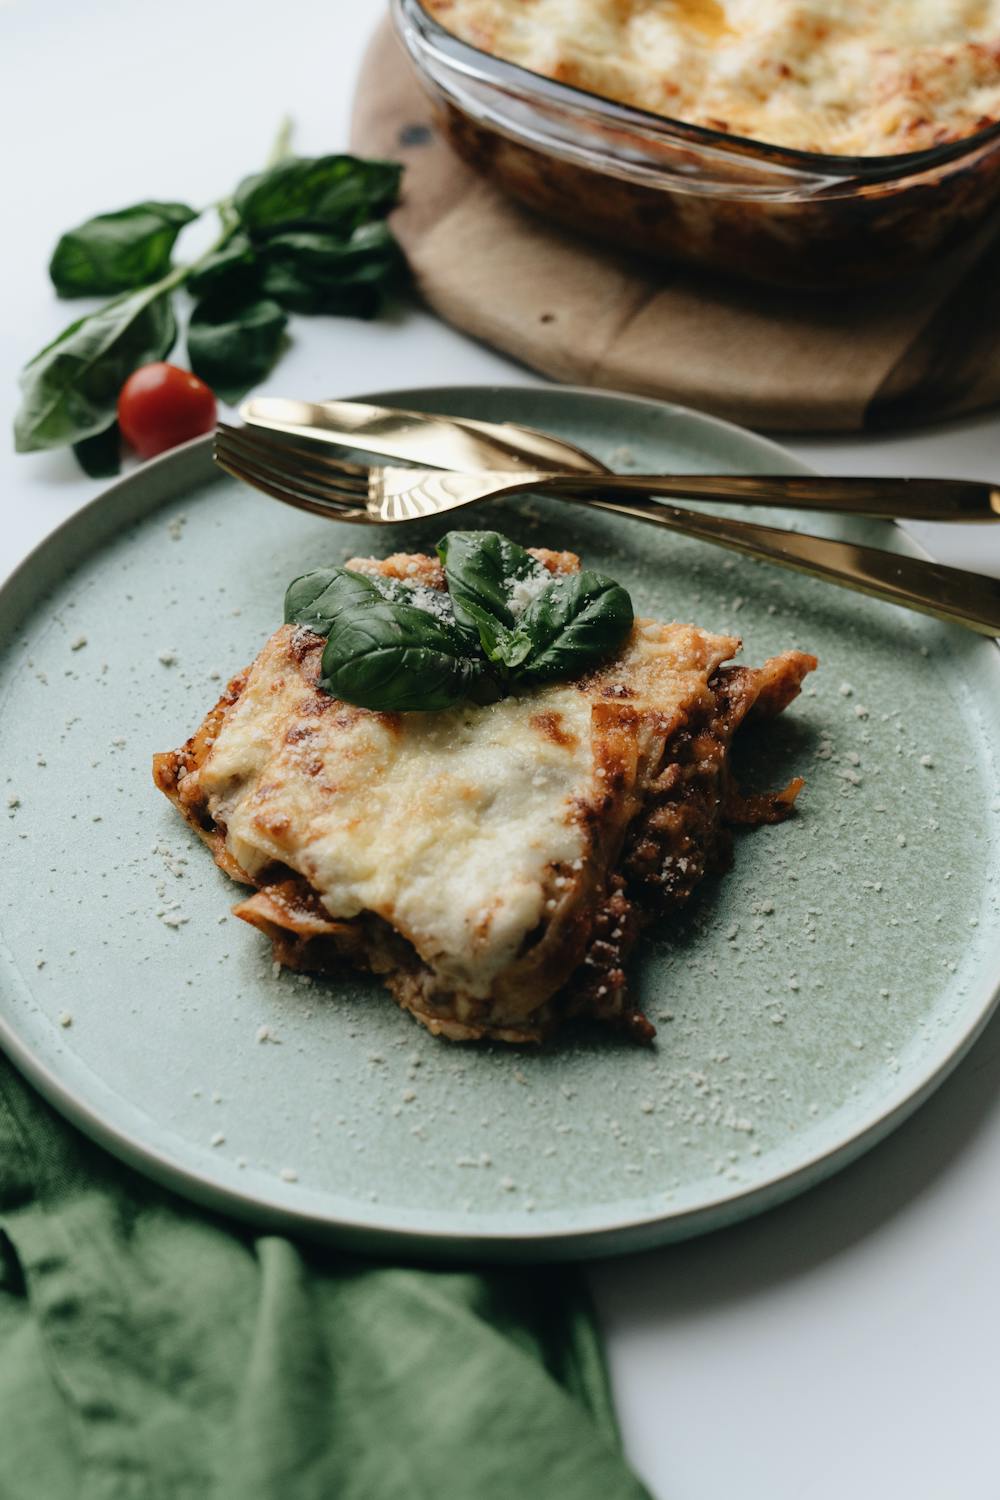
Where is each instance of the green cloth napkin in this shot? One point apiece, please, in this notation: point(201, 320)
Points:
point(152, 1351)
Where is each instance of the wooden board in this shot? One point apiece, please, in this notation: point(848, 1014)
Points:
point(578, 312)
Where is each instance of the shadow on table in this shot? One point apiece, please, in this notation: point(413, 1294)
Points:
point(704, 1273)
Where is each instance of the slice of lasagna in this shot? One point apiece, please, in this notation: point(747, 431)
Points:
point(494, 864)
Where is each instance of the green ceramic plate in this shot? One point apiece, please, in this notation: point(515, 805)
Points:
point(805, 1004)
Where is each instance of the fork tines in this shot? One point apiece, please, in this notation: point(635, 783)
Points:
point(294, 473)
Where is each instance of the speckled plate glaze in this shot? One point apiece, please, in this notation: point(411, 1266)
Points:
point(805, 1004)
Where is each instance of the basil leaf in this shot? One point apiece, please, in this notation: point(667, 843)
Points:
point(286, 285)
point(482, 569)
point(100, 456)
point(314, 272)
point(70, 390)
point(579, 618)
point(232, 346)
point(118, 252)
point(364, 255)
point(394, 657)
point(315, 599)
point(383, 651)
point(319, 192)
point(230, 271)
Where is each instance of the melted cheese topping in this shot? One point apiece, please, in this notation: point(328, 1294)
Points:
point(458, 828)
point(846, 77)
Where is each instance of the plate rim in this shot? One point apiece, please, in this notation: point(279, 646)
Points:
point(373, 1232)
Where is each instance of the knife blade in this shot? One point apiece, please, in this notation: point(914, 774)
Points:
point(431, 440)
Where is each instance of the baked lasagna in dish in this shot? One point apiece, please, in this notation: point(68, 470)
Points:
point(492, 862)
point(842, 77)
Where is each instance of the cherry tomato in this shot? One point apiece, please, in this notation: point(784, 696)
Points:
point(161, 405)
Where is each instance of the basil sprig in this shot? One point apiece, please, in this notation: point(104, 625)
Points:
point(504, 621)
point(307, 234)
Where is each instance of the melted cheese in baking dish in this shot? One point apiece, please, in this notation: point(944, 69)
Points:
point(461, 829)
point(846, 77)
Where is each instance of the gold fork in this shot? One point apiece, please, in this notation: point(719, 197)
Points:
point(344, 491)
point(466, 445)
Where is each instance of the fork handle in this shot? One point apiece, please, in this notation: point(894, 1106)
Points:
point(884, 498)
point(953, 594)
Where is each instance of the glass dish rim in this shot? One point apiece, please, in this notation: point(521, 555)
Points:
point(490, 69)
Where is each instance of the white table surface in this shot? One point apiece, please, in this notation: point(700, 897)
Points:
point(845, 1345)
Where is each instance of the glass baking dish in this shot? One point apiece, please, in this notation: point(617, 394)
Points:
point(678, 191)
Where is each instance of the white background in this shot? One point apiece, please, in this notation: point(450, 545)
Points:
point(845, 1345)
